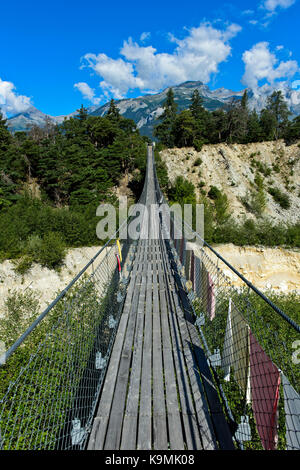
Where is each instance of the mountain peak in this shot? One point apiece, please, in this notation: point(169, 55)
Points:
point(190, 84)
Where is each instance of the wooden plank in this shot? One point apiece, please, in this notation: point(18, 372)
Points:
point(114, 429)
point(98, 433)
point(174, 420)
point(129, 431)
point(218, 420)
point(191, 428)
point(201, 406)
point(145, 411)
point(160, 439)
point(221, 426)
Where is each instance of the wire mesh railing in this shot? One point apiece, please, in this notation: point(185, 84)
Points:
point(55, 371)
point(251, 345)
point(51, 377)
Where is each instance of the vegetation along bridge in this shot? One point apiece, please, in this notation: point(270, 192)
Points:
point(152, 347)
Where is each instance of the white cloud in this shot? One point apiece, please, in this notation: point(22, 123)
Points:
point(87, 92)
point(11, 102)
point(272, 5)
point(262, 64)
point(195, 57)
point(144, 36)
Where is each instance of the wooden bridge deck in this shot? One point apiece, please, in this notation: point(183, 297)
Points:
point(158, 392)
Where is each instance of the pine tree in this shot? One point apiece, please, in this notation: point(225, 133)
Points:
point(254, 133)
point(244, 101)
point(184, 129)
point(164, 130)
point(113, 112)
point(196, 106)
point(82, 113)
point(5, 137)
point(278, 107)
point(292, 131)
point(268, 124)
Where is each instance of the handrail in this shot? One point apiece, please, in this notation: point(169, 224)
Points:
point(21, 339)
point(248, 283)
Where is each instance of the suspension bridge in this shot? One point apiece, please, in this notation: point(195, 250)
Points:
point(152, 347)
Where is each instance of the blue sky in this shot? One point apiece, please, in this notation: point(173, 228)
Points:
point(59, 54)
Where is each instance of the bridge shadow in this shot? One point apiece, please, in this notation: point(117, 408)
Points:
point(216, 423)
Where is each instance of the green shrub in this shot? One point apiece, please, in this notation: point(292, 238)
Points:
point(52, 250)
point(33, 246)
point(221, 208)
point(258, 180)
point(198, 144)
point(214, 192)
point(24, 264)
point(182, 191)
point(276, 168)
point(255, 201)
point(197, 162)
point(281, 198)
point(20, 309)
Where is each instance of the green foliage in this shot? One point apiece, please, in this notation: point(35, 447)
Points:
point(275, 336)
point(52, 250)
point(222, 208)
point(20, 309)
point(234, 124)
point(255, 200)
point(263, 232)
point(182, 191)
point(197, 162)
point(164, 130)
point(198, 144)
point(281, 198)
point(161, 171)
point(56, 371)
point(24, 264)
point(75, 167)
point(214, 192)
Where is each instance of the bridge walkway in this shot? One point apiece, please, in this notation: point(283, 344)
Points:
point(158, 392)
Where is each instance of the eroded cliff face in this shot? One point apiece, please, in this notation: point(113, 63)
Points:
point(267, 268)
point(47, 283)
point(232, 169)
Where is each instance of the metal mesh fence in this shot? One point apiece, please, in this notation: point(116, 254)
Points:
point(251, 348)
point(56, 369)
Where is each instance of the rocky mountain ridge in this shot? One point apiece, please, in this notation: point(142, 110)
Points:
point(145, 110)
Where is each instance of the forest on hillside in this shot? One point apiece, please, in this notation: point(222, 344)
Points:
point(52, 179)
point(234, 124)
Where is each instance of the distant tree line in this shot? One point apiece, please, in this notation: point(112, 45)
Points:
point(236, 123)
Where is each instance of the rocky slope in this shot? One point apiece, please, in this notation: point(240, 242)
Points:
point(232, 169)
point(277, 269)
point(46, 282)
